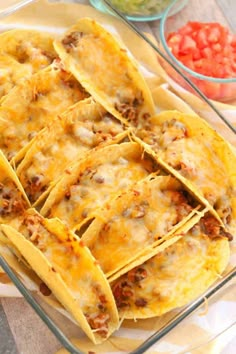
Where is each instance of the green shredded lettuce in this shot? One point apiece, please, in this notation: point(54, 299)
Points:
point(140, 7)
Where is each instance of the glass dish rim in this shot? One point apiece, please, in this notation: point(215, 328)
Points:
point(177, 62)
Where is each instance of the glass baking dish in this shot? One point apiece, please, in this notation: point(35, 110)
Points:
point(218, 292)
point(153, 330)
point(10, 6)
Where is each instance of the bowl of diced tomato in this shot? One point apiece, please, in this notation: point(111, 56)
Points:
point(205, 52)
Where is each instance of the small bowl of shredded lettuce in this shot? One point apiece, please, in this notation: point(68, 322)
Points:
point(140, 10)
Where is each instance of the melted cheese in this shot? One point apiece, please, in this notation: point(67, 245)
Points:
point(92, 183)
point(23, 53)
point(173, 277)
point(57, 250)
point(135, 221)
point(10, 73)
point(130, 219)
point(106, 71)
point(204, 169)
point(33, 104)
point(13, 200)
point(64, 141)
point(195, 157)
point(12, 203)
point(88, 290)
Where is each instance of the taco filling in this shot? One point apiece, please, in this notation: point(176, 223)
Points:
point(194, 151)
point(138, 220)
point(56, 255)
point(32, 104)
point(13, 201)
point(95, 180)
point(175, 276)
point(23, 53)
point(106, 71)
point(80, 129)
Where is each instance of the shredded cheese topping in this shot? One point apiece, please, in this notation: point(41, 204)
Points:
point(194, 157)
point(44, 161)
point(116, 81)
point(23, 53)
point(67, 255)
point(96, 184)
point(32, 104)
point(173, 277)
point(135, 220)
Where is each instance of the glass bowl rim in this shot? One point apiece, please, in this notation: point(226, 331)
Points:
point(176, 61)
point(103, 6)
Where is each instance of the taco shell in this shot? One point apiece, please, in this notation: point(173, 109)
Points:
point(199, 157)
point(137, 221)
point(13, 200)
point(135, 209)
point(23, 53)
point(174, 276)
point(66, 139)
point(106, 71)
point(76, 280)
point(94, 180)
point(32, 104)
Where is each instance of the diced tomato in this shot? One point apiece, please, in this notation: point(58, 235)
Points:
point(218, 58)
point(187, 60)
point(196, 54)
point(233, 66)
point(233, 41)
point(207, 53)
point(195, 25)
point(174, 43)
point(214, 35)
point(201, 38)
point(187, 45)
point(207, 48)
point(216, 47)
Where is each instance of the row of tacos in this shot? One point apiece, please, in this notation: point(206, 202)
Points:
point(118, 223)
point(122, 212)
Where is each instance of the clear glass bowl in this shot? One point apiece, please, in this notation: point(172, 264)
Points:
point(140, 10)
point(218, 89)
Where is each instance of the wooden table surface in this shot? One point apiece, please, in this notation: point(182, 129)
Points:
point(16, 317)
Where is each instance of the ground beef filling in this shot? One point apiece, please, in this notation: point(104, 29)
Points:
point(11, 200)
point(212, 228)
point(123, 290)
point(71, 40)
point(99, 320)
point(36, 185)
